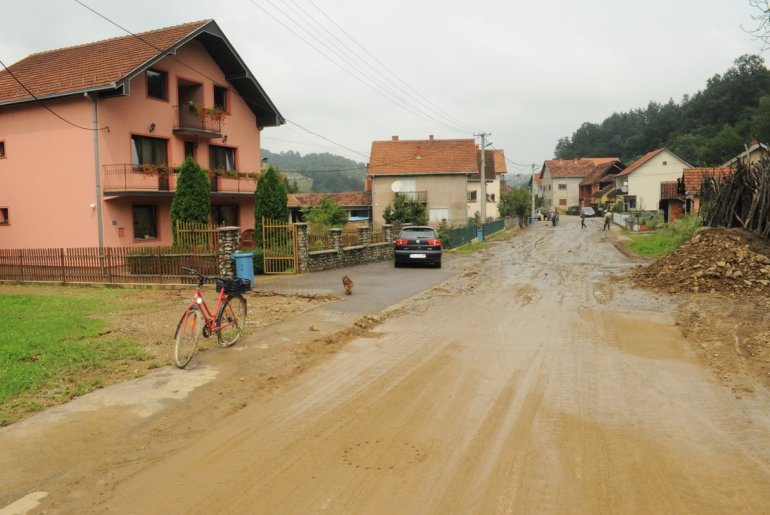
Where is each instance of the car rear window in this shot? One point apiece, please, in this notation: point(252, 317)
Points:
point(418, 233)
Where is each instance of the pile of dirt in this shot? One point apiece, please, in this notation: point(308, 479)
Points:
point(716, 260)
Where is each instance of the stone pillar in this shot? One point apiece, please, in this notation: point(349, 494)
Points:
point(337, 238)
point(364, 235)
point(229, 239)
point(303, 258)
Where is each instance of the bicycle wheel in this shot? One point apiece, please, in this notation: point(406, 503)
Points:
point(232, 316)
point(188, 332)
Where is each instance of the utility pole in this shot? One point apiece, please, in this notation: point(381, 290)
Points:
point(532, 214)
point(483, 173)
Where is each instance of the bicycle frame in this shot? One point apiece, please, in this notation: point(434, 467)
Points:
point(209, 317)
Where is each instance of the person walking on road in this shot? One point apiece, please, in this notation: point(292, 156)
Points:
point(607, 220)
point(582, 220)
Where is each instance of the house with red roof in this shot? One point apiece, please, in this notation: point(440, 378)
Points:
point(639, 184)
point(494, 170)
point(91, 135)
point(358, 204)
point(682, 196)
point(562, 179)
point(434, 172)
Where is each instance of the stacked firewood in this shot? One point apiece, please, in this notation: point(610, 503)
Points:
point(741, 199)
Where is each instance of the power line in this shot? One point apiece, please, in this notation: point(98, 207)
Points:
point(39, 101)
point(381, 90)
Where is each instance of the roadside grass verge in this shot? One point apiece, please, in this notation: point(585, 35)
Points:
point(664, 240)
point(54, 348)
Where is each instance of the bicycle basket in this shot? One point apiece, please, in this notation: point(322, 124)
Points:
point(233, 285)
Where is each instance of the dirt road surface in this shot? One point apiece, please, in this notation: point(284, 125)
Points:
point(531, 382)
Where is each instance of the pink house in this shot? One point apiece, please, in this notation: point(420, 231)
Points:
point(90, 136)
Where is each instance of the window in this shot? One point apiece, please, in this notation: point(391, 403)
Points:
point(472, 196)
point(4, 216)
point(2, 149)
point(562, 202)
point(562, 187)
point(439, 214)
point(490, 197)
point(225, 214)
point(149, 151)
point(189, 149)
point(157, 84)
point(221, 158)
point(220, 98)
point(145, 226)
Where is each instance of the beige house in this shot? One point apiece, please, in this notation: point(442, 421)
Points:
point(639, 184)
point(494, 168)
point(561, 179)
point(434, 172)
point(753, 154)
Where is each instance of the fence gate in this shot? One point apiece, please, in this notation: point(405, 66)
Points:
point(279, 247)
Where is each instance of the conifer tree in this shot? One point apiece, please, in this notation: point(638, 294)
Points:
point(192, 201)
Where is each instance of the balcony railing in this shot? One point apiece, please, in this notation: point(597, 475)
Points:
point(190, 120)
point(128, 178)
point(419, 196)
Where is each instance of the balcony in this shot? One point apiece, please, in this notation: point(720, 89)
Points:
point(128, 179)
point(194, 120)
point(419, 196)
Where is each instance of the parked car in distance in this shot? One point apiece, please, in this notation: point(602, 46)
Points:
point(417, 244)
point(588, 212)
point(538, 214)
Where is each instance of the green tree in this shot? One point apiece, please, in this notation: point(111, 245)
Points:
point(403, 211)
point(192, 201)
point(518, 203)
point(327, 213)
point(270, 201)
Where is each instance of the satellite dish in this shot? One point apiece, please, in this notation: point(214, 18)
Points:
point(396, 186)
point(624, 189)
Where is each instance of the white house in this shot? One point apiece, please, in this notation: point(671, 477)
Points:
point(639, 184)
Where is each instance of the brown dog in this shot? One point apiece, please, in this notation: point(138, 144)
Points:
point(348, 283)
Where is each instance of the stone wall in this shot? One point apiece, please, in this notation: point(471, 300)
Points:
point(229, 240)
point(339, 256)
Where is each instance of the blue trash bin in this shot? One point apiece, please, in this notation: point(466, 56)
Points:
point(480, 234)
point(244, 265)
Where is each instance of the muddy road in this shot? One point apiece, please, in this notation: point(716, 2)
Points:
point(531, 382)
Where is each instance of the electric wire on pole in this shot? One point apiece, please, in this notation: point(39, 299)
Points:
point(483, 178)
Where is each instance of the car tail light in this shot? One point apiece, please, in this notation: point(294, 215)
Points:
point(402, 242)
point(434, 243)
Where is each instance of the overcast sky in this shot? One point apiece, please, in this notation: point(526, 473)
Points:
point(528, 72)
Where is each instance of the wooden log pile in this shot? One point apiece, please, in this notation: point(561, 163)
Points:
point(741, 199)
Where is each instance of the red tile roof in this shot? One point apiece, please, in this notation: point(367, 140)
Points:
point(494, 163)
point(109, 64)
point(431, 156)
point(639, 162)
point(88, 67)
point(669, 190)
point(578, 167)
point(693, 177)
point(344, 199)
point(603, 168)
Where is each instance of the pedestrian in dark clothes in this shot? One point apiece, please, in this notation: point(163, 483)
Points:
point(582, 220)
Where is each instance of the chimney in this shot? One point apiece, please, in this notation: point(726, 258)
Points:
point(394, 138)
point(368, 184)
point(430, 137)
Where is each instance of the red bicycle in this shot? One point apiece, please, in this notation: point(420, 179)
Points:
point(199, 320)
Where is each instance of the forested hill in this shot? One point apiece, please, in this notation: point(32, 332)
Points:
point(328, 173)
point(705, 129)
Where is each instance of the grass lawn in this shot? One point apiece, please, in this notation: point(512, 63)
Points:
point(54, 348)
point(664, 240)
